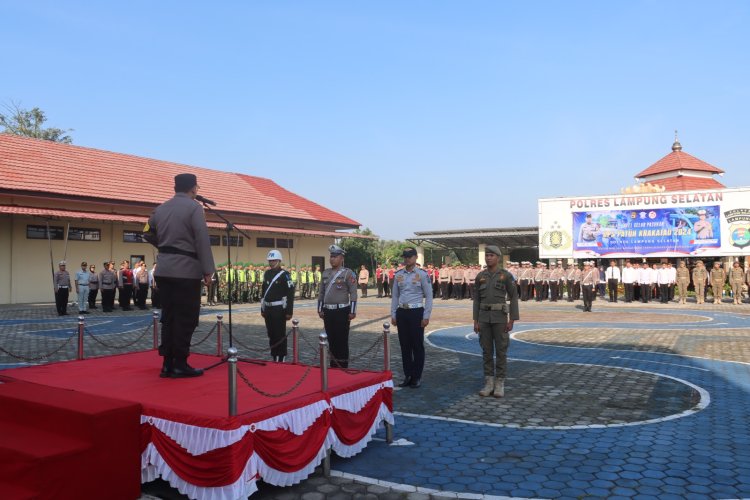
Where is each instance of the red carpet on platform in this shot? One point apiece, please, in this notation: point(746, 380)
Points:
point(187, 437)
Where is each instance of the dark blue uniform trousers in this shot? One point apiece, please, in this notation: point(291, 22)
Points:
point(411, 338)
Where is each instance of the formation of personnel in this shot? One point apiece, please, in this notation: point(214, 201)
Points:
point(246, 280)
point(132, 285)
point(639, 281)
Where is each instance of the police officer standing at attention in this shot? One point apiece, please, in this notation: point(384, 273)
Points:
point(495, 309)
point(178, 228)
point(277, 304)
point(61, 282)
point(589, 279)
point(411, 306)
point(82, 288)
point(337, 305)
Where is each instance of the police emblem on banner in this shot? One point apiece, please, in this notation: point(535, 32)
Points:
point(739, 226)
point(555, 238)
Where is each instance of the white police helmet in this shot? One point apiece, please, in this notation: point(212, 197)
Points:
point(274, 255)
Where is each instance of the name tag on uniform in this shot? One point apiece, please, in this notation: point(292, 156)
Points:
point(482, 281)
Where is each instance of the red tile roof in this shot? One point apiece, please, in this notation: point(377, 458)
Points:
point(37, 166)
point(685, 183)
point(141, 219)
point(679, 160)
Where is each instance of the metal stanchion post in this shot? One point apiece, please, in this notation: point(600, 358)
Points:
point(295, 340)
point(324, 387)
point(81, 324)
point(219, 347)
point(387, 368)
point(232, 363)
point(155, 315)
point(323, 362)
point(386, 347)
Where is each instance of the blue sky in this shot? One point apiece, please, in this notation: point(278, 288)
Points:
point(405, 116)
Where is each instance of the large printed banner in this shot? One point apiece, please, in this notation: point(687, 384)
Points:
point(710, 223)
point(679, 230)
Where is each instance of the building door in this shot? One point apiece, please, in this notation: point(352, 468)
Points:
point(319, 261)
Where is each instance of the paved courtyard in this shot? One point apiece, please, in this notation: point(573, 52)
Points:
point(632, 400)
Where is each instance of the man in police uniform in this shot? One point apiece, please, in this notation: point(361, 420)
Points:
point(588, 232)
point(589, 280)
point(736, 280)
point(411, 306)
point(683, 281)
point(718, 278)
point(82, 288)
point(703, 228)
point(277, 304)
point(178, 229)
point(445, 278)
point(61, 282)
point(337, 305)
point(495, 309)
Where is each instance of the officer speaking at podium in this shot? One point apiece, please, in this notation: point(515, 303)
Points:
point(178, 229)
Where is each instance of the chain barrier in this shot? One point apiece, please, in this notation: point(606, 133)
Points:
point(370, 350)
point(262, 350)
point(206, 337)
point(43, 356)
point(313, 347)
point(123, 346)
point(268, 394)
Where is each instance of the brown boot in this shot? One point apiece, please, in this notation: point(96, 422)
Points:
point(499, 387)
point(488, 385)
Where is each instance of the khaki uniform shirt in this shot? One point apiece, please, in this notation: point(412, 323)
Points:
point(445, 275)
point(737, 275)
point(700, 275)
point(457, 277)
point(683, 275)
point(718, 276)
point(342, 290)
point(590, 277)
point(364, 276)
point(496, 298)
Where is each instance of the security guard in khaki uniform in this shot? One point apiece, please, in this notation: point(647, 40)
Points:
point(683, 280)
point(337, 305)
point(736, 280)
point(718, 278)
point(700, 278)
point(495, 309)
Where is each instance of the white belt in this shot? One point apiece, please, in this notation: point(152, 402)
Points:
point(61, 286)
point(410, 306)
point(335, 306)
point(276, 303)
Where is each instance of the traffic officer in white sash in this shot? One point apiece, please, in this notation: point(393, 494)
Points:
point(337, 305)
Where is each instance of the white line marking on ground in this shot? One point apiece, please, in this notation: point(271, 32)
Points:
point(418, 489)
point(558, 346)
point(661, 363)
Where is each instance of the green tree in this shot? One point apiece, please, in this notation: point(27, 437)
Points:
point(360, 251)
point(18, 121)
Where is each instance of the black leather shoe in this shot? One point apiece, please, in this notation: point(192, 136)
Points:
point(406, 382)
point(184, 370)
point(416, 383)
point(166, 368)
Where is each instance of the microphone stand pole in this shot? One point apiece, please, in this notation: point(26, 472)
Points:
point(228, 228)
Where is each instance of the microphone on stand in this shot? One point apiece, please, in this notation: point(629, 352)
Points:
point(205, 200)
